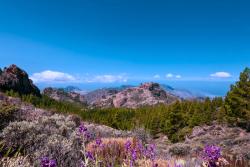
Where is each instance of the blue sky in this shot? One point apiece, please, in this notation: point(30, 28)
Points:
point(126, 41)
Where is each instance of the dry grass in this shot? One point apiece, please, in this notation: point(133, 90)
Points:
point(19, 161)
point(113, 150)
point(237, 161)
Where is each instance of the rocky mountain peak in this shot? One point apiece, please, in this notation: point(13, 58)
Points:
point(60, 94)
point(150, 86)
point(146, 94)
point(14, 78)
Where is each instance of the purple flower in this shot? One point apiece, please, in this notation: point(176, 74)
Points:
point(46, 162)
point(140, 147)
point(82, 129)
point(151, 152)
point(90, 156)
point(131, 164)
point(133, 154)
point(128, 145)
point(82, 164)
point(212, 153)
point(87, 135)
point(98, 142)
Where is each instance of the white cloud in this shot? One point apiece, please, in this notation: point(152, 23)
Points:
point(178, 76)
point(55, 77)
point(52, 76)
point(157, 76)
point(221, 75)
point(169, 75)
point(108, 78)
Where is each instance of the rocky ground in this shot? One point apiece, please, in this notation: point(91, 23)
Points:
point(234, 142)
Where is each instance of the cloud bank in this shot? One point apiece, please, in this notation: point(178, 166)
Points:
point(221, 75)
point(107, 78)
point(170, 75)
point(52, 76)
point(49, 76)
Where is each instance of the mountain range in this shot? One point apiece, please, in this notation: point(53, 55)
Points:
point(128, 96)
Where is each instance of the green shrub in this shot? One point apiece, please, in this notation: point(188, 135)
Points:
point(7, 114)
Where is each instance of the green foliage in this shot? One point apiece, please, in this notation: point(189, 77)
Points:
point(6, 115)
point(237, 102)
point(48, 103)
point(174, 120)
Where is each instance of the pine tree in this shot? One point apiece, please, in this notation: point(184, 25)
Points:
point(237, 102)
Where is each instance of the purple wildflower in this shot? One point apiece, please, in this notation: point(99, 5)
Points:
point(211, 154)
point(128, 145)
point(82, 164)
point(98, 142)
point(82, 129)
point(133, 154)
point(90, 156)
point(140, 148)
point(46, 162)
point(87, 135)
point(151, 152)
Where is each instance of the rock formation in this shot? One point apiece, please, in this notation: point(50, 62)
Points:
point(16, 79)
point(146, 94)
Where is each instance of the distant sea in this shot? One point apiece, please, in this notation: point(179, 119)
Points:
point(205, 88)
point(208, 88)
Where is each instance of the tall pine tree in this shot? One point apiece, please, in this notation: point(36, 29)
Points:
point(237, 101)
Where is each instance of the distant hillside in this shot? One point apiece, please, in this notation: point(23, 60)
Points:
point(60, 94)
point(123, 96)
point(145, 94)
point(96, 95)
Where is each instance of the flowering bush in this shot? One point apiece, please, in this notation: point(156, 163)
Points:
point(46, 162)
point(212, 157)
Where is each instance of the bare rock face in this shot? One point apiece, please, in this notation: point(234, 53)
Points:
point(16, 79)
point(145, 94)
point(62, 95)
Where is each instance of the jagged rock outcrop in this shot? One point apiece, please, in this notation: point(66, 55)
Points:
point(146, 94)
point(16, 79)
point(60, 94)
point(96, 95)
